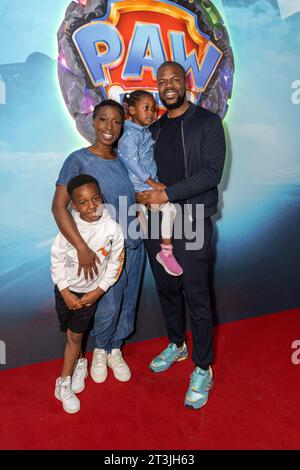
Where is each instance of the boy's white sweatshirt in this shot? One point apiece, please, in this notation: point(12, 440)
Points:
point(105, 238)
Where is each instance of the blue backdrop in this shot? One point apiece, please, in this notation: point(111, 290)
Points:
point(257, 254)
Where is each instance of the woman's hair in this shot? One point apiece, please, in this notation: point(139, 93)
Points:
point(131, 99)
point(112, 103)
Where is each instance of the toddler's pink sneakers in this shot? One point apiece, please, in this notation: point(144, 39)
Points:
point(166, 258)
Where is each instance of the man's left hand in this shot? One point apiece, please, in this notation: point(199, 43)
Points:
point(155, 197)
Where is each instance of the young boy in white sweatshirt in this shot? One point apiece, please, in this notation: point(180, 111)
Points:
point(75, 297)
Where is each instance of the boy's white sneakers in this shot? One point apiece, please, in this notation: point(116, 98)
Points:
point(99, 365)
point(79, 375)
point(119, 367)
point(64, 393)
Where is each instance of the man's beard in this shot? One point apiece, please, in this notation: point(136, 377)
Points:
point(177, 104)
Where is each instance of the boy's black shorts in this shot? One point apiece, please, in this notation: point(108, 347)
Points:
point(77, 321)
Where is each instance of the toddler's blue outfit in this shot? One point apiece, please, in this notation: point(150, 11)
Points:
point(135, 150)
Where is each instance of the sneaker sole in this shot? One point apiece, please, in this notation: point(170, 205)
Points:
point(70, 412)
point(163, 368)
point(121, 379)
point(166, 268)
point(192, 407)
point(97, 379)
point(195, 407)
point(82, 388)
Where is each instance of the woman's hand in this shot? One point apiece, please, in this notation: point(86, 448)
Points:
point(141, 197)
point(87, 260)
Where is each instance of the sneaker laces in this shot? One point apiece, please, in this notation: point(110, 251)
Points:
point(198, 381)
point(118, 360)
point(167, 253)
point(79, 369)
point(170, 350)
point(65, 391)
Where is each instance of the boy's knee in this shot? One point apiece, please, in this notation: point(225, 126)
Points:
point(74, 337)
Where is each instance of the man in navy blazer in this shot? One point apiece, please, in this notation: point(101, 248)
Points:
point(190, 153)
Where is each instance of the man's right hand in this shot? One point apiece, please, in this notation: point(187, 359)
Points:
point(87, 260)
point(141, 198)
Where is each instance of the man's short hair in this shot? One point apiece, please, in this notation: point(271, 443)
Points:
point(80, 180)
point(174, 64)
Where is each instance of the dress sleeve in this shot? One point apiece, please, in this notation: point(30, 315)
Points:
point(70, 168)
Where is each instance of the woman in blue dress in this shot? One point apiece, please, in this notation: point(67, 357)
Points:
point(115, 315)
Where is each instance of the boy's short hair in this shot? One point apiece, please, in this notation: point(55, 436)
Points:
point(80, 180)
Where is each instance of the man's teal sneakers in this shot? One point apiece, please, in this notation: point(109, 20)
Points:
point(170, 355)
point(200, 385)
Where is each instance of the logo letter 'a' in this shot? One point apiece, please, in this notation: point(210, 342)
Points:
point(2, 352)
point(146, 51)
point(2, 91)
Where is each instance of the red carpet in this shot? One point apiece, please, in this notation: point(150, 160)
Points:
point(254, 403)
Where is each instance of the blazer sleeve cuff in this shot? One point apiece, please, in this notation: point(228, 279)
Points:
point(171, 193)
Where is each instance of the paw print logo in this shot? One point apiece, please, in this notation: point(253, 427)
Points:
point(109, 47)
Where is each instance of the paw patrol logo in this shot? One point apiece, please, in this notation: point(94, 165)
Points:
point(123, 50)
point(109, 47)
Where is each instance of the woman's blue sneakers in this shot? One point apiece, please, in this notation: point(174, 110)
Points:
point(169, 355)
point(200, 385)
